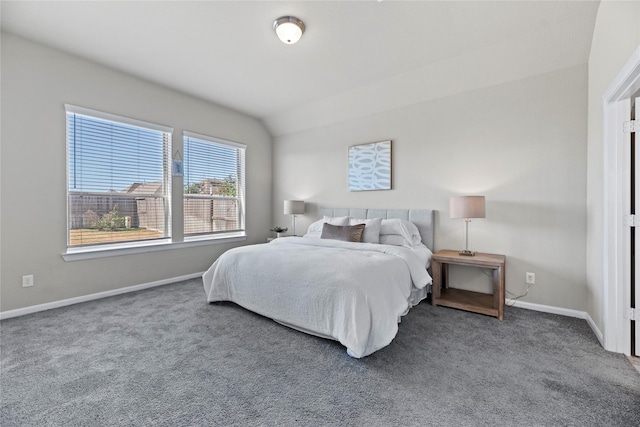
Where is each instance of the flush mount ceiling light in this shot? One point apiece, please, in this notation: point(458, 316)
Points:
point(289, 29)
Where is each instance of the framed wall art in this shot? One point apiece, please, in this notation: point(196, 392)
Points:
point(370, 166)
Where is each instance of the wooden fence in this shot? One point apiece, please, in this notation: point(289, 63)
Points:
point(202, 214)
point(85, 210)
point(209, 215)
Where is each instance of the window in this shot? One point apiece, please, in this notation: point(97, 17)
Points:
point(213, 186)
point(118, 180)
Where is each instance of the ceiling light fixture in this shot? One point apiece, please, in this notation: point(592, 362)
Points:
point(289, 29)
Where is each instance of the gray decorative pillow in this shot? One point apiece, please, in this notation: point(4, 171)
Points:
point(347, 233)
point(371, 229)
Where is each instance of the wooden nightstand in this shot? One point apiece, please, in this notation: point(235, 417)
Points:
point(489, 304)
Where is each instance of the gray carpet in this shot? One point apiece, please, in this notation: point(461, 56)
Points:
point(165, 357)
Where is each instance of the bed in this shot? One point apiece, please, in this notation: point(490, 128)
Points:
point(355, 293)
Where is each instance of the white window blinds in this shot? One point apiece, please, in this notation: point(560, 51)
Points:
point(118, 181)
point(214, 185)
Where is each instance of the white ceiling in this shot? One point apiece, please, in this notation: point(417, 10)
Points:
point(355, 58)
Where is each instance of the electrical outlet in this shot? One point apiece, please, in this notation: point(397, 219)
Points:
point(530, 278)
point(27, 281)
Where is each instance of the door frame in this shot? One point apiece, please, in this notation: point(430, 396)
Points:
point(616, 255)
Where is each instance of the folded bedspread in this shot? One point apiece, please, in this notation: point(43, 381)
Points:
point(352, 292)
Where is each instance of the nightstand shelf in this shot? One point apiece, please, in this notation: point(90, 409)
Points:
point(477, 302)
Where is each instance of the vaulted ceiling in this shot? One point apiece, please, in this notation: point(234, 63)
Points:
point(355, 58)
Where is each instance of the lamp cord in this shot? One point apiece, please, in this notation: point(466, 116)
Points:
point(513, 296)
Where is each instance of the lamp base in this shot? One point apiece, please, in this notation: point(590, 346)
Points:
point(467, 253)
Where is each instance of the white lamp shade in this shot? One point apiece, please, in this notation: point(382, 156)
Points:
point(467, 207)
point(293, 207)
point(289, 32)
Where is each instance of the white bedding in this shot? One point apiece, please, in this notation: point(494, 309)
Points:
point(352, 292)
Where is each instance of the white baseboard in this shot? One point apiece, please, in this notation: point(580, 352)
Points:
point(595, 329)
point(561, 311)
point(84, 298)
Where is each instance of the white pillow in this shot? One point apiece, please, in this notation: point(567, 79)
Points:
point(395, 240)
point(371, 229)
point(401, 227)
point(315, 229)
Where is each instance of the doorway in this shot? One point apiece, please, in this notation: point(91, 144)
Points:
point(619, 333)
point(635, 234)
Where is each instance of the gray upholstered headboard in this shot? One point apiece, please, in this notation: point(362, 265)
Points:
point(422, 218)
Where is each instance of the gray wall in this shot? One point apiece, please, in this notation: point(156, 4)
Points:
point(522, 144)
point(616, 35)
point(36, 83)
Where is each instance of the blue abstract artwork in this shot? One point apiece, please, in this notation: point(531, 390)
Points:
point(370, 166)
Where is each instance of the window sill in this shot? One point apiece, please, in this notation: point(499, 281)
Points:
point(85, 253)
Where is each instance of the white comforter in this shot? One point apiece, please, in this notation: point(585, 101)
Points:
point(352, 292)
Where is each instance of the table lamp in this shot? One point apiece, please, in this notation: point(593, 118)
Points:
point(466, 207)
point(293, 207)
